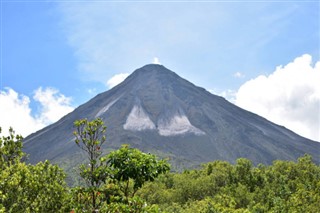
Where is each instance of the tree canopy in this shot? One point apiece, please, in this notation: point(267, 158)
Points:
point(25, 187)
point(284, 186)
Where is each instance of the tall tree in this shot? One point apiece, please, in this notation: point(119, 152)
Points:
point(90, 137)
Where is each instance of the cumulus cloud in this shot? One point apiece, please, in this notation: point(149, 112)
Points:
point(290, 96)
point(54, 105)
point(15, 110)
point(117, 79)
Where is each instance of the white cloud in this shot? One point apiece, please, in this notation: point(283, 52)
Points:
point(15, 110)
point(156, 60)
point(290, 96)
point(54, 105)
point(117, 79)
point(238, 75)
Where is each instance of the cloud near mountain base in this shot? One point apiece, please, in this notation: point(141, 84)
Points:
point(15, 110)
point(290, 96)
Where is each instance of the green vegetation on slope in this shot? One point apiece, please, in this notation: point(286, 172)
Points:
point(128, 180)
point(284, 186)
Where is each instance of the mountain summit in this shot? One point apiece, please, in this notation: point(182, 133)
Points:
point(157, 111)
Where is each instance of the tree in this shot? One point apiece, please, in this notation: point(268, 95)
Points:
point(130, 164)
point(33, 188)
point(10, 149)
point(25, 187)
point(90, 137)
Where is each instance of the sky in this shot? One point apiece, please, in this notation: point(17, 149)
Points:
point(263, 56)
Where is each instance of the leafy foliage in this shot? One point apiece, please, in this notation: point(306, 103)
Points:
point(130, 164)
point(90, 137)
point(25, 187)
point(220, 186)
point(10, 149)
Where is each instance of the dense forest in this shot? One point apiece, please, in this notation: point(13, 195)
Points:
point(222, 187)
point(128, 180)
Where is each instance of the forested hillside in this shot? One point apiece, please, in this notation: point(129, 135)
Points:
point(128, 180)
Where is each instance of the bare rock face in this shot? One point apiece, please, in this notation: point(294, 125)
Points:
point(157, 111)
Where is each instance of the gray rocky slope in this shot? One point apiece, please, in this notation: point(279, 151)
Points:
point(157, 111)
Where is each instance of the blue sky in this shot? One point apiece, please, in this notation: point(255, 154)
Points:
point(56, 55)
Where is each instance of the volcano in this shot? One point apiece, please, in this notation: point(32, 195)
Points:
point(159, 112)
